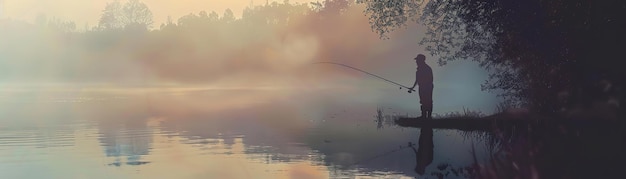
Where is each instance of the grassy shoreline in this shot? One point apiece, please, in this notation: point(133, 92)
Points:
point(502, 121)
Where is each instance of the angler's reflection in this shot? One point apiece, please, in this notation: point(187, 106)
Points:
point(424, 152)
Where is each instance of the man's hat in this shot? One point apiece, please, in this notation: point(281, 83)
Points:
point(420, 57)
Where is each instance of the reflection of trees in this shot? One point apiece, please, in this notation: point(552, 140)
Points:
point(279, 131)
point(126, 141)
point(124, 132)
point(265, 129)
point(549, 54)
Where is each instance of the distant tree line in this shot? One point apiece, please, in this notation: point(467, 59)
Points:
point(194, 48)
point(132, 13)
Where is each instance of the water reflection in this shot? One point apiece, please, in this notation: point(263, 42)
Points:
point(199, 134)
point(424, 153)
point(129, 141)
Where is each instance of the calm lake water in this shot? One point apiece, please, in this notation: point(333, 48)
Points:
point(218, 134)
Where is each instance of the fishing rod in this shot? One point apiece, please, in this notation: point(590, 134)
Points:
point(379, 77)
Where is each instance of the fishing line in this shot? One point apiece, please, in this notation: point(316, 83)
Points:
point(368, 73)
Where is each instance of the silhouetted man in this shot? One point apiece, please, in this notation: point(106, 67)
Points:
point(424, 152)
point(424, 80)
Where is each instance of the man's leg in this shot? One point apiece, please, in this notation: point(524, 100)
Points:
point(424, 112)
point(428, 100)
point(423, 102)
point(427, 110)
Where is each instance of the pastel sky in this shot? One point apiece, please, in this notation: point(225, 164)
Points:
point(88, 11)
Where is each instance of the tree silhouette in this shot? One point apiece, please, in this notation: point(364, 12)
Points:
point(132, 14)
point(548, 55)
point(329, 7)
point(387, 15)
point(137, 13)
point(188, 20)
point(55, 24)
point(213, 16)
point(228, 16)
point(111, 16)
